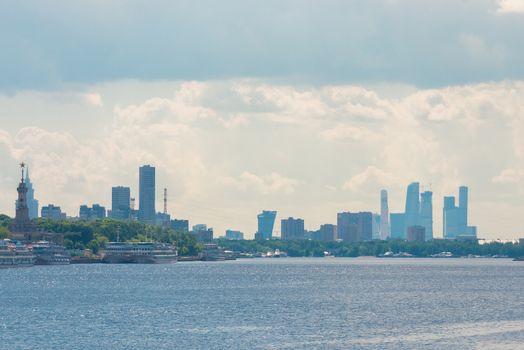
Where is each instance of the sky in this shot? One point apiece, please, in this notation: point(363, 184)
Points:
point(305, 107)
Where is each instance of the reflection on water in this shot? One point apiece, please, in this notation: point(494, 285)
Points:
point(266, 304)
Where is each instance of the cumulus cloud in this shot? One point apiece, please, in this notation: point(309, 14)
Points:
point(93, 98)
point(370, 176)
point(273, 183)
point(246, 144)
point(510, 6)
point(507, 176)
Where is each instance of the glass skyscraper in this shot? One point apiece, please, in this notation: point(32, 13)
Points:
point(266, 222)
point(455, 219)
point(384, 216)
point(412, 205)
point(426, 213)
point(146, 204)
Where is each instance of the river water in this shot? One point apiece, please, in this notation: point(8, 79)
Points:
point(282, 303)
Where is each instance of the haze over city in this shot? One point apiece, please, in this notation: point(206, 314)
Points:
point(308, 120)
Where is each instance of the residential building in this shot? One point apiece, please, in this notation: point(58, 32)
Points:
point(90, 213)
point(121, 203)
point(328, 232)
point(52, 212)
point(234, 235)
point(202, 233)
point(180, 225)
point(292, 229)
point(355, 227)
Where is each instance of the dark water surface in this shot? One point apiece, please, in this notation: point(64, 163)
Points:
point(266, 304)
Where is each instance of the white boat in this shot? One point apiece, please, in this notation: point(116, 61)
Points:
point(15, 254)
point(139, 253)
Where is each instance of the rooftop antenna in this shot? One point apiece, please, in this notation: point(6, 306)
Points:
point(165, 201)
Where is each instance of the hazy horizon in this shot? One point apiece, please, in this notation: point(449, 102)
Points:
point(308, 108)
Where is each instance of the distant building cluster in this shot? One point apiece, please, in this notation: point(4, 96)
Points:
point(414, 224)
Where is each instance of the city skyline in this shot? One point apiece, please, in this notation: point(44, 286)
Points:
point(418, 212)
point(239, 116)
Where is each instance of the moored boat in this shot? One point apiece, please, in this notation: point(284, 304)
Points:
point(15, 254)
point(48, 253)
point(139, 253)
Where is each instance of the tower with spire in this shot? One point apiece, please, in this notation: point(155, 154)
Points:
point(21, 227)
point(31, 202)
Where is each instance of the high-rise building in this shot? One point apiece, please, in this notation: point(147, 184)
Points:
point(121, 203)
point(266, 222)
point(180, 225)
point(234, 235)
point(202, 233)
point(22, 227)
point(355, 227)
point(426, 213)
point(292, 229)
point(146, 204)
point(463, 205)
point(416, 234)
point(385, 231)
point(91, 213)
point(32, 203)
point(398, 226)
point(455, 219)
point(328, 232)
point(376, 223)
point(52, 212)
point(412, 204)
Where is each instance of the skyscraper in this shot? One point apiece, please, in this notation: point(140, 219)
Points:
point(455, 219)
point(385, 232)
point(146, 204)
point(292, 228)
point(266, 222)
point(328, 232)
point(355, 227)
point(120, 203)
point(412, 204)
point(398, 226)
point(426, 213)
point(32, 203)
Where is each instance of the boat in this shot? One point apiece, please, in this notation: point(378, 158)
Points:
point(15, 254)
point(49, 253)
point(139, 253)
point(212, 252)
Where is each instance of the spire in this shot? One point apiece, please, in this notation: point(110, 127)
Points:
point(27, 174)
point(22, 165)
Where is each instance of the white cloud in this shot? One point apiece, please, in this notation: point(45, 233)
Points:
point(507, 176)
point(93, 98)
point(246, 145)
point(510, 6)
point(370, 176)
point(273, 183)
